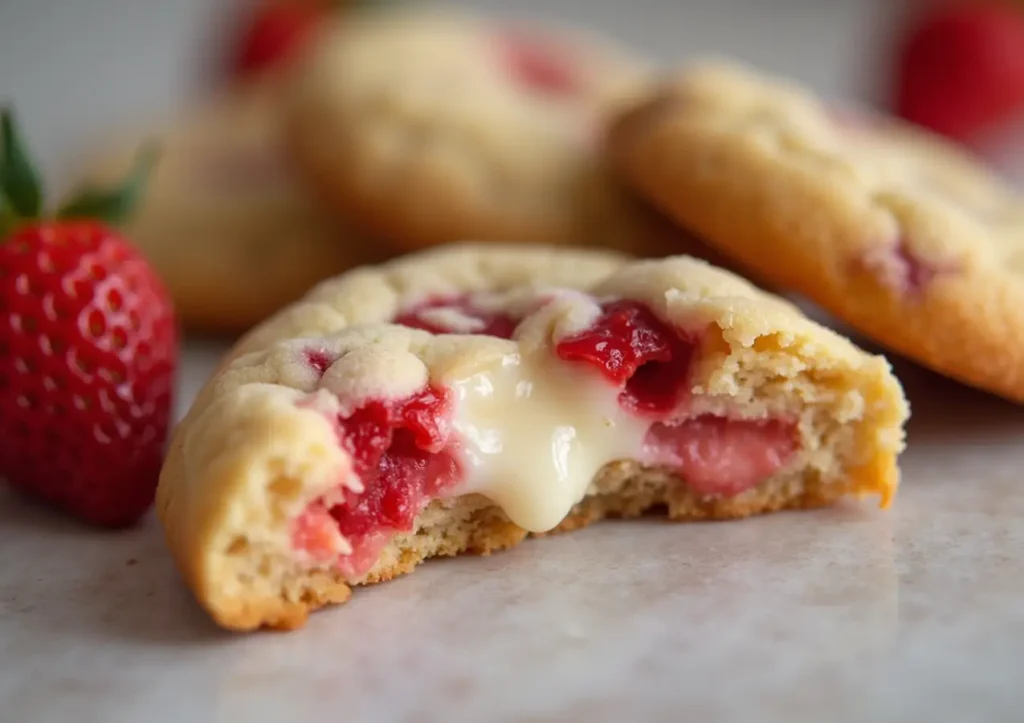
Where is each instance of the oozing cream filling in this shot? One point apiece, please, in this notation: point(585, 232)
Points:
point(535, 432)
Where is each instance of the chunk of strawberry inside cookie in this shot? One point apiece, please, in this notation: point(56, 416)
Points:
point(637, 351)
point(458, 315)
point(401, 452)
point(533, 432)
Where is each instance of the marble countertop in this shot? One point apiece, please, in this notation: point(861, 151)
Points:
point(850, 614)
point(847, 614)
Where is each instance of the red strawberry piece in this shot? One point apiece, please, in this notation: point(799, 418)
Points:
point(633, 348)
point(961, 67)
point(88, 348)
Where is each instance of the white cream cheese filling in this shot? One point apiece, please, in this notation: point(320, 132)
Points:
point(535, 432)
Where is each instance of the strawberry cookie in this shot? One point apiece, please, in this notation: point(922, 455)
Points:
point(429, 126)
point(460, 399)
point(233, 233)
point(900, 234)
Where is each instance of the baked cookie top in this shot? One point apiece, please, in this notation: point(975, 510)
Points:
point(429, 125)
point(909, 239)
point(224, 217)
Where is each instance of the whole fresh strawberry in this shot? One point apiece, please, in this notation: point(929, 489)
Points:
point(960, 66)
point(88, 348)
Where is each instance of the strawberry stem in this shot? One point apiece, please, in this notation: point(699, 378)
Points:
point(19, 181)
point(114, 205)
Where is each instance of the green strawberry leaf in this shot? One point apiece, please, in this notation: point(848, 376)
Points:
point(18, 179)
point(8, 216)
point(114, 205)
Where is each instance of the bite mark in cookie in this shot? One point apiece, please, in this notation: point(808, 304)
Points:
point(532, 391)
point(403, 456)
point(531, 432)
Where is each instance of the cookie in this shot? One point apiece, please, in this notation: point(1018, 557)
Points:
point(225, 221)
point(899, 234)
point(428, 126)
point(460, 399)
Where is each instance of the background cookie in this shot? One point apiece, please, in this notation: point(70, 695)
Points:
point(430, 126)
point(228, 226)
point(894, 231)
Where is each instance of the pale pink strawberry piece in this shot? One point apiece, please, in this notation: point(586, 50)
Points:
point(721, 456)
point(539, 64)
point(365, 555)
point(902, 270)
point(491, 323)
point(316, 533)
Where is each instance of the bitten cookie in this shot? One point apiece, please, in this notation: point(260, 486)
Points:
point(429, 126)
point(896, 232)
point(228, 226)
point(460, 399)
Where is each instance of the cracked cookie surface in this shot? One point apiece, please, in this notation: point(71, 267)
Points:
point(906, 238)
point(460, 399)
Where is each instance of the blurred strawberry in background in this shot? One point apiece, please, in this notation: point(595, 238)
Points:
point(960, 66)
point(960, 73)
point(273, 31)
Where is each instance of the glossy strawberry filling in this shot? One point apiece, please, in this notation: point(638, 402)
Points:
point(402, 454)
point(637, 351)
point(405, 452)
point(631, 347)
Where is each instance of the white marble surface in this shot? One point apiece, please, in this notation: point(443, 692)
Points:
point(852, 614)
